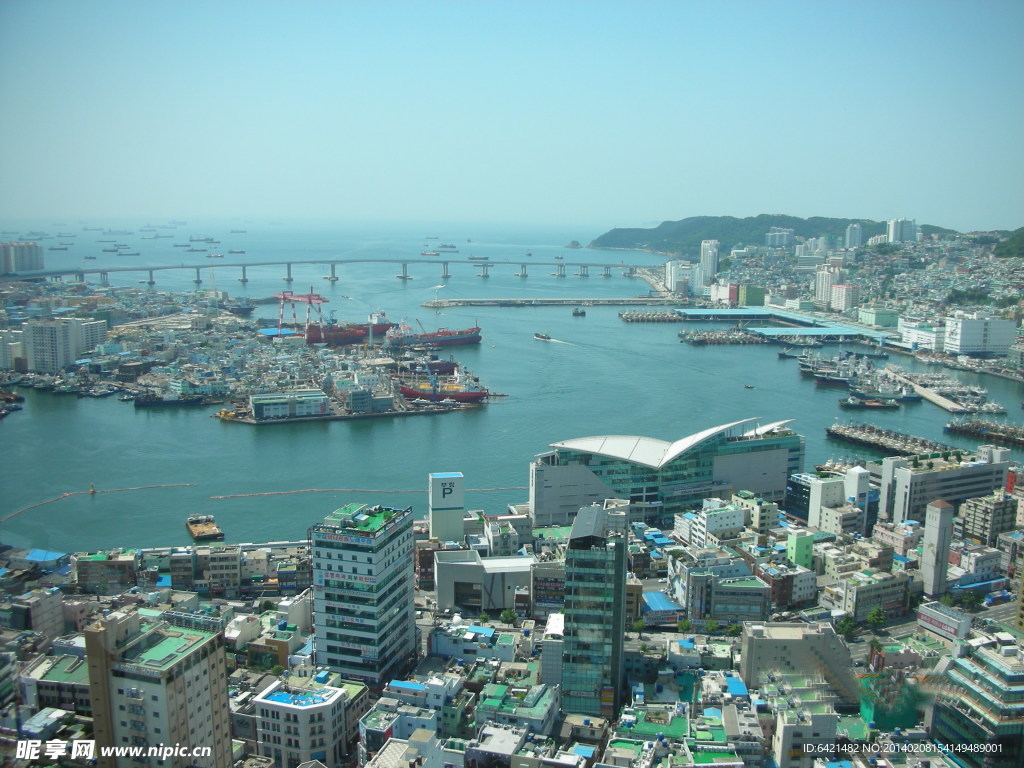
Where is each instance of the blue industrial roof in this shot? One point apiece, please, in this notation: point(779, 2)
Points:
point(901, 559)
point(658, 601)
point(44, 556)
point(736, 686)
point(983, 584)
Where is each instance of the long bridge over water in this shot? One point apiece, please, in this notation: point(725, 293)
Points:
point(581, 268)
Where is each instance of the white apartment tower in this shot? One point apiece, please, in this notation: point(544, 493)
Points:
point(709, 260)
point(363, 582)
point(938, 533)
point(159, 681)
point(20, 257)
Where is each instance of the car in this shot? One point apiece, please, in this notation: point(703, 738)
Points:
point(858, 663)
point(663, 581)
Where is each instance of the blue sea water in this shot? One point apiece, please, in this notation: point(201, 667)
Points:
point(599, 375)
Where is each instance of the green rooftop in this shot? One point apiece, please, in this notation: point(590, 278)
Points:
point(165, 647)
point(66, 669)
point(362, 517)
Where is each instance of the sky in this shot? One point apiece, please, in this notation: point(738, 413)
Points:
point(597, 114)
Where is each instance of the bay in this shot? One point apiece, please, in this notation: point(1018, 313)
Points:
point(599, 375)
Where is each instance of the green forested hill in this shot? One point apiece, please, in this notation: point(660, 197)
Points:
point(684, 237)
point(1012, 246)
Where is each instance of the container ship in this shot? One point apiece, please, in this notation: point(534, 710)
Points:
point(204, 528)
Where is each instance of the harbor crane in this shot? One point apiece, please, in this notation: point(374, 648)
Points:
point(311, 300)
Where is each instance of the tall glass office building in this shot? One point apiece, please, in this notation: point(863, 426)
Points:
point(594, 611)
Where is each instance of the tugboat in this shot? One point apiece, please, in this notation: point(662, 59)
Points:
point(204, 528)
point(579, 312)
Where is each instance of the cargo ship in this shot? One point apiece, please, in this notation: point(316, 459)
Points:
point(204, 528)
point(402, 336)
point(458, 389)
point(858, 403)
point(166, 401)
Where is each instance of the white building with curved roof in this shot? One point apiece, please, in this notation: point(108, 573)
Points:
point(660, 478)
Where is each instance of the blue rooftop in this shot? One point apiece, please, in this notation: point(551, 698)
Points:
point(408, 685)
point(304, 699)
point(736, 686)
point(658, 601)
point(44, 556)
point(583, 750)
point(688, 642)
point(485, 631)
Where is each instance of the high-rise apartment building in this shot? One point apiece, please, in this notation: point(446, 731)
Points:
point(363, 584)
point(854, 235)
point(902, 231)
point(938, 534)
point(709, 260)
point(51, 345)
point(844, 297)
point(160, 682)
point(594, 613)
point(20, 257)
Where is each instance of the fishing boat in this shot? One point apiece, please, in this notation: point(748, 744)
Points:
point(204, 528)
point(857, 404)
point(579, 312)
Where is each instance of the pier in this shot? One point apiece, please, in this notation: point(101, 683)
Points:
point(638, 301)
point(928, 394)
point(885, 439)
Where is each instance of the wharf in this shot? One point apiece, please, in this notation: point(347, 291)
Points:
point(932, 397)
point(635, 301)
point(990, 431)
point(884, 439)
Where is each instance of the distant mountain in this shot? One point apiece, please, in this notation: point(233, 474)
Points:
point(683, 237)
point(1011, 246)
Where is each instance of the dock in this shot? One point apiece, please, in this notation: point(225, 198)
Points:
point(928, 394)
point(650, 316)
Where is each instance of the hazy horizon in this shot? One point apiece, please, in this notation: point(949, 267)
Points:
point(586, 116)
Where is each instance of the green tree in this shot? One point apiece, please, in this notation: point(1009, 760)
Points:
point(969, 601)
point(644, 648)
point(846, 627)
point(711, 627)
point(276, 670)
point(638, 627)
point(876, 618)
point(733, 630)
point(876, 645)
point(265, 606)
point(946, 599)
point(684, 625)
point(508, 616)
point(484, 618)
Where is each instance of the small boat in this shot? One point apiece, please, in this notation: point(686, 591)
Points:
point(579, 312)
point(215, 255)
point(559, 258)
point(748, 386)
point(429, 253)
point(541, 337)
point(204, 528)
point(236, 251)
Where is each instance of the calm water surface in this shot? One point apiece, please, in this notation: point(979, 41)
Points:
point(598, 376)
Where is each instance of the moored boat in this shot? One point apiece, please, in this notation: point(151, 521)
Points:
point(458, 388)
point(858, 404)
point(402, 336)
point(204, 528)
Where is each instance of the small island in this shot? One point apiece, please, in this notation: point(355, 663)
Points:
point(574, 244)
